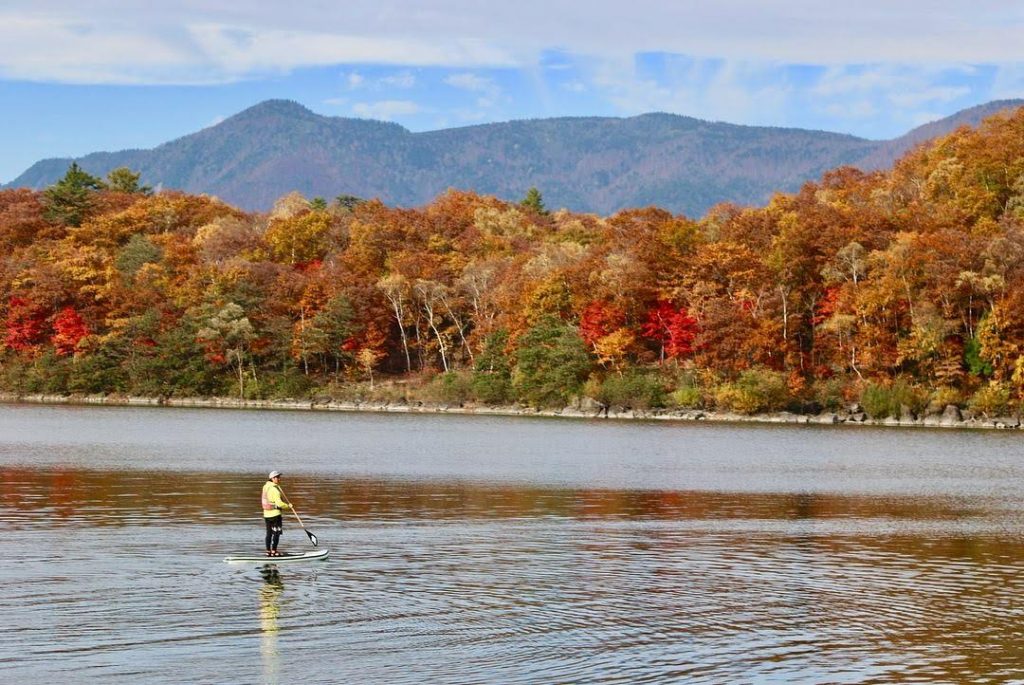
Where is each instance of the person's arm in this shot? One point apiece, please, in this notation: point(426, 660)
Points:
point(277, 500)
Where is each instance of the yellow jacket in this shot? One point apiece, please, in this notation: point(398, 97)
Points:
point(272, 501)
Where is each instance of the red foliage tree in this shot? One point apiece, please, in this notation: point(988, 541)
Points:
point(598, 320)
point(25, 327)
point(68, 331)
point(826, 306)
point(672, 329)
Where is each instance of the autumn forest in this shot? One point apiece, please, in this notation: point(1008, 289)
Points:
point(900, 290)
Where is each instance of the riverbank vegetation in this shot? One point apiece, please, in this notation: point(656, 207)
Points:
point(901, 291)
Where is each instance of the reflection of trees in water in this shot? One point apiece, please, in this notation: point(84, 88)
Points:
point(180, 498)
point(270, 610)
point(70, 496)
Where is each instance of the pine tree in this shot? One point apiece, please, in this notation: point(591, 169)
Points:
point(534, 201)
point(69, 200)
point(125, 180)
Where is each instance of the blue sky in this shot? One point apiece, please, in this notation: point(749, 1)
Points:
point(112, 74)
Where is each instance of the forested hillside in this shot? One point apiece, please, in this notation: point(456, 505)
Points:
point(897, 289)
point(591, 164)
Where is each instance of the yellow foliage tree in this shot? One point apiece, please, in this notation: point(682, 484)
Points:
point(299, 238)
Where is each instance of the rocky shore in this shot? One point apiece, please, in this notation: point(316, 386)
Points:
point(951, 417)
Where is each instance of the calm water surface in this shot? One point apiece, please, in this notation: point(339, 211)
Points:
point(494, 550)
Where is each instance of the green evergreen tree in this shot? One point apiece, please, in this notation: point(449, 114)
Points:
point(349, 202)
point(975, 363)
point(534, 202)
point(125, 180)
point(168, 362)
point(136, 253)
point(492, 372)
point(551, 363)
point(69, 200)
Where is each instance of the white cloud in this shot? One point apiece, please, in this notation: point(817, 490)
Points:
point(910, 93)
point(907, 86)
point(385, 109)
point(842, 80)
point(38, 48)
point(924, 117)
point(851, 109)
point(881, 59)
point(72, 50)
point(403, 80)
point(270, 49)
point(472, 82)
point(489, 93)
point(733, 92)
point(926, 95)
point(122, 41)
point(1009, 82)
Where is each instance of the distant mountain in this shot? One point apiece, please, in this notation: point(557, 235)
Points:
point(889, 151)
point(583, 163)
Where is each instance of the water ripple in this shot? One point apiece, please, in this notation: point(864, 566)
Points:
point(481, 577)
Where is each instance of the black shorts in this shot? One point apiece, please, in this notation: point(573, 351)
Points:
point(274, 523)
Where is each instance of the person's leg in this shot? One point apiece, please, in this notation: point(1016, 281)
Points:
point(277, 527)
point(270, 535)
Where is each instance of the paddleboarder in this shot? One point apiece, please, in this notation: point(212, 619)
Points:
point(273, 504)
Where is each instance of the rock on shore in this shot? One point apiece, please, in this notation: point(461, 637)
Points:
point(951, 417)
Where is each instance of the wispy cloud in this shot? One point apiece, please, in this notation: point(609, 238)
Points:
point(88, 53)
point(927, 95)
point(270, 49)
point(385, 109)
point(842, 80)
point(708, 89)
point(489, 94)
point(403, 80)
point(1008, 81)
point(84, 50)
point(910, 94)
point(121, 41)
point(788, 62)
point(473, 82)
point(850, 109)
point(906, 86)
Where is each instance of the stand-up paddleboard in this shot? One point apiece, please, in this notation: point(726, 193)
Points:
point(283, 559)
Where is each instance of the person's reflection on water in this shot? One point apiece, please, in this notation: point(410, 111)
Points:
point(270, 610)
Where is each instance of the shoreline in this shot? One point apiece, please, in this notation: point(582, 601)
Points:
point(950, 418)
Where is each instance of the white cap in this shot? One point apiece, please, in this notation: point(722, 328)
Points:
point(273, 474)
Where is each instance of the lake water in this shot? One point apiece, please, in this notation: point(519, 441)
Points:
point(502, 550)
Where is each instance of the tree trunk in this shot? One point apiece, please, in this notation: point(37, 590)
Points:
point(396, 304)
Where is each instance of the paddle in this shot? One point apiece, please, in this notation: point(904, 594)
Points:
point(312, 538)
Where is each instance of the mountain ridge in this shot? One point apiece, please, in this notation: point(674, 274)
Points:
point(594, 164)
